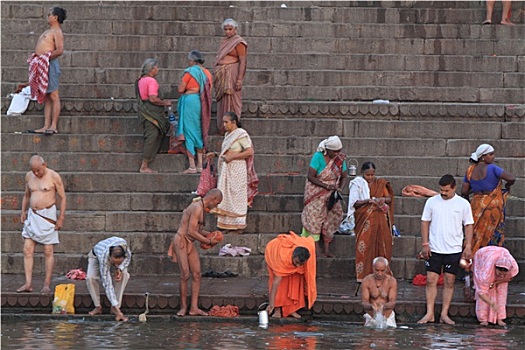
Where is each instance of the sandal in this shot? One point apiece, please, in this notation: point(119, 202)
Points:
point(199, 170)
point(487, 21)
point(190, 171)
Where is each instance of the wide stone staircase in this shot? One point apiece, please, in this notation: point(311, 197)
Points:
point(313, 70)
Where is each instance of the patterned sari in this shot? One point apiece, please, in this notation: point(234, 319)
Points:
point(373, 229)
point(238, 183)
point(316, 218)
point(488, 211)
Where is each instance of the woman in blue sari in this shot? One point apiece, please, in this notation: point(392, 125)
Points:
point(194, 110)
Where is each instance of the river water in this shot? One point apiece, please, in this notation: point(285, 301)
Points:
point(165, 333)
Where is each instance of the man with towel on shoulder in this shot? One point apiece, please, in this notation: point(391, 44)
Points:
point(291, 274)
point(39, 216)
point(44, 70)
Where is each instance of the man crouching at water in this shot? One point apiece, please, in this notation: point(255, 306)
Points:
point(379, 294)
point(182, 249)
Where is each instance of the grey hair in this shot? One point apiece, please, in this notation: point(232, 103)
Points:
point(196, 56)
point(36, 159)
point(229, 22)
point(378, 259)
point(148, 65)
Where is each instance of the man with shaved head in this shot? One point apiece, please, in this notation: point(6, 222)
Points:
point(39, 216)
point(379, 294)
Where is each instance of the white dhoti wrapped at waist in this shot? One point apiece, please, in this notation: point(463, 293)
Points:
point(38, 226)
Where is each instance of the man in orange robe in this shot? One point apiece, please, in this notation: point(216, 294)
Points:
point(291, 274)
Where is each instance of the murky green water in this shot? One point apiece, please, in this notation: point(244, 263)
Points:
point(46, 334)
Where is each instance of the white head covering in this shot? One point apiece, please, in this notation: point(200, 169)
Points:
point(480, 151)
point(332, 143)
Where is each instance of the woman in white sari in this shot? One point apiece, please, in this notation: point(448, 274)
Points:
point(237, 181)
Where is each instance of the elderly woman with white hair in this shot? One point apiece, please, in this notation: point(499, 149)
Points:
point(483, 179)
point(229, 68)
point(326, 176)
point(151, 111)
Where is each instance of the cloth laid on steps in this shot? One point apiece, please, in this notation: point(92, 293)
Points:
point(234, 251)
point(76, 274)
point(224, 274)
point(224, 311)
point(421, 280)
point(20, 102)
point(417, 191)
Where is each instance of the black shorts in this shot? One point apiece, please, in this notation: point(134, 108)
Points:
point(449, 263)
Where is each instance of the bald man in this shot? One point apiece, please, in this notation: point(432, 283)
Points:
point(183, 251)
point(379, 293)
point(39, 216)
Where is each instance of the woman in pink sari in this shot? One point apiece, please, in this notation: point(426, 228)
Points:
point(493, 268)
point(229, 68)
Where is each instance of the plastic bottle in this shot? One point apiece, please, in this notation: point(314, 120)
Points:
point(173, 121)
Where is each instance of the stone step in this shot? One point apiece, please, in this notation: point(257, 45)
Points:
point(418, 46)
point(175, 202)
point(281, 126)
point(279, 77)
point(264, 163)
point(249, 266)
point(164, 182)
point(343, 246)
point(313, 93)
point(257, 221)
point(318, 110)
point(271, 29)
point(140, 201)
point(248, 13)
point(105, 60)
point(292, 145)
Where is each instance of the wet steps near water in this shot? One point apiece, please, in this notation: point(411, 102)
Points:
point(313, 70)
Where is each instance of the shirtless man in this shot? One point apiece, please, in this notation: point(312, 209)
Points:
point(379, 293)
point(39, 216)
point(183, 250)
point(228, 72)
point(50, 42)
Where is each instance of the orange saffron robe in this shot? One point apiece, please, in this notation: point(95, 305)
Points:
point(297, 282)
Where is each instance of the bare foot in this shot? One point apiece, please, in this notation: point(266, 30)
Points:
point(501, 323)
point(96, 311)
point(446, 319)
point(507, 23)
point(198, 312)
point(25, 289)
point(277, 313)
point(329, 255)
point(426, 319)
point(45, 291)
point(182, 312)
point(147, 171)
point(41, 130)
point(295, 315)
point(121, 317)
point(484, 323)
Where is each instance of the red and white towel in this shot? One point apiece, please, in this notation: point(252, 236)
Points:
point(38, 75)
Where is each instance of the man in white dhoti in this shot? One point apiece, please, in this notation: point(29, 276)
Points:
point(39, 216)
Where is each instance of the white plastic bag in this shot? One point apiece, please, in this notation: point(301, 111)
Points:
point(347, 226)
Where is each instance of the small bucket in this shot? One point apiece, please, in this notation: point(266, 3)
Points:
point(352, 168)
point(263, 315)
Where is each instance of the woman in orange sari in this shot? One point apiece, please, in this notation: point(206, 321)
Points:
point(229, 68)
point(372, 202)
point(483, 179)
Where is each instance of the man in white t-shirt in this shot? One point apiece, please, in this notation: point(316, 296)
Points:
point(442, 222)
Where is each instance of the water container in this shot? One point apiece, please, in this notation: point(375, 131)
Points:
point(263, 315)
point(173, 121)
